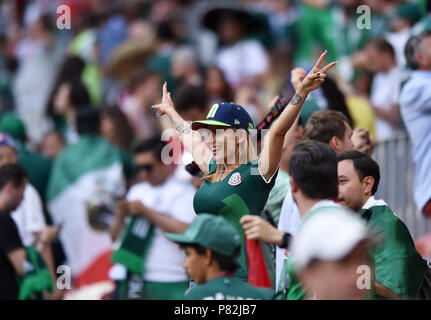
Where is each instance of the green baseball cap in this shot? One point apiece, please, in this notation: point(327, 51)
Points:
point(210, 231)
point(13, 125)
point(409, 11)
point(226, 114)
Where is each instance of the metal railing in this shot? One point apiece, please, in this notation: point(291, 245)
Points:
point(396, 186)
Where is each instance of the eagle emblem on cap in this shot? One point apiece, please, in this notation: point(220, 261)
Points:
point(235, 179)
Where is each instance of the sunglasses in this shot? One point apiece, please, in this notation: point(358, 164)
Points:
point(145, 167)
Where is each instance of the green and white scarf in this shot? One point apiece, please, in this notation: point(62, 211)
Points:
point(37, 277)
point(131, 252)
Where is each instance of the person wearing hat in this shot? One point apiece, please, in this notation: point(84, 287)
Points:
point(37, 166)
point(242, 60)
point(236, 181)
point(331, 256)
point(406, 16)
point(211, 245)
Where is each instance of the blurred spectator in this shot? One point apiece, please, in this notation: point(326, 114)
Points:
point(166, 42)
point(191, 102)
point(144, 91)
point(12, 253)
point(116, 129)
point(332, 27)
point(70, 70)
point(282, 183)
point(84, 46)
point(8, 64)
point(112, 29)
point(243, 61)
point(329, 249)
point(53, 144)
point(28, 216)
point(415, 105)
point(407, 14)
point(425, 23)
point(184, 67)
point(379, 58)
point(38, 167)
point(38, 58)
point(70, 97)
point(216, 86)
point(162, 204)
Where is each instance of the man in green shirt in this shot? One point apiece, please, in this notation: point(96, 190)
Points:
point(400, 270)
point(211, 246)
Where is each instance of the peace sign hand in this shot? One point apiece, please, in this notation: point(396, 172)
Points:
point(315, 77)
point(166, 106)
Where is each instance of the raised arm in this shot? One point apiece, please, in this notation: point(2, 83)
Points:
point(191, 139)
point(304, 84)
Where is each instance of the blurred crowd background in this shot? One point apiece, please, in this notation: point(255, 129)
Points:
point(118, 53)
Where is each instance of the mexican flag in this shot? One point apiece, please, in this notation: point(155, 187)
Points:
point(399, 266)
point(85, 180)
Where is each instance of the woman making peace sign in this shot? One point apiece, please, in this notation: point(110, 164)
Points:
point(237, 182)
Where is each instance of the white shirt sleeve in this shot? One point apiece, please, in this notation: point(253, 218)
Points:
point(29, 216)
point(183, 209)
point(257, 60)
point(33, 209)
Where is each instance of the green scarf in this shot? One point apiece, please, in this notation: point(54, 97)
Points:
point(37, 277)
point(131, 252)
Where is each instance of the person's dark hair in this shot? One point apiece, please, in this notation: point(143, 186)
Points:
point(88, 121)
point(188, 96)
point(141, 76)
point(165, 31)
point(325, 124)
point(123, 131)
point(382, 45)
point(154, 145)
point(79, 96)
point(335, 98)
point(364, 165)
point(313, 165)
point(46, 22)
point(12, 173)
point(70, 71)
point(225, 263)
point(228, 94)
point(412, 46)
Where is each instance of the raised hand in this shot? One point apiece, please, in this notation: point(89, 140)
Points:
point(166, 105)
point(297, 75)
point(315, 77)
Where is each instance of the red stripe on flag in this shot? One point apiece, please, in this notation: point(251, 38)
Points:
point(257, 272)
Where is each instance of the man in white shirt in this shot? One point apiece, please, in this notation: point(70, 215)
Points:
point(28, 216)
point(380, 60)
point(167, 204)
point(243, 61)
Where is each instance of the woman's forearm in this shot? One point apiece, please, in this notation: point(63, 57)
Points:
point(289, 114)
point(191, 140)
